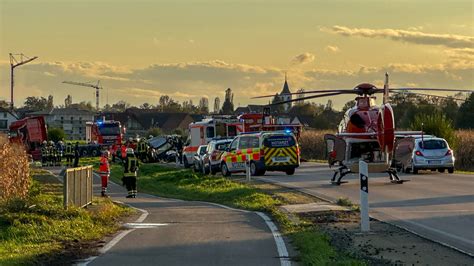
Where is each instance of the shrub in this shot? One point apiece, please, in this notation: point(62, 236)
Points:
point(436, 124)
point(154, 131)
point(56, 134)
point(464, 152)
point(14, 170)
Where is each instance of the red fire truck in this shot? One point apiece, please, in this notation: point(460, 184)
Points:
point(257, 122)
point(101, 133)
point(31, 132)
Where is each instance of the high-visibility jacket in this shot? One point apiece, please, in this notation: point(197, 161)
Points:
point(69, 149)
point(44, 151)
point(141, 146)
point(104, 168)
point(131, 165)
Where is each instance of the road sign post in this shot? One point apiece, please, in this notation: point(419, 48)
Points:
point(364, 196)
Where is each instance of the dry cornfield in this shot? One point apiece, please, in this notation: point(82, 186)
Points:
point(313, 147)
point(14, 170)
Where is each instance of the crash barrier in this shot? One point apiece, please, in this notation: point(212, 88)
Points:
point(364, 196)
point(77, 186)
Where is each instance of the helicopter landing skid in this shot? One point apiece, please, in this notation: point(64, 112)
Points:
point(341, 171)
point(394, 179)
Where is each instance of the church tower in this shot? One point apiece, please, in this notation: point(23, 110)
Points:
point(285, 95)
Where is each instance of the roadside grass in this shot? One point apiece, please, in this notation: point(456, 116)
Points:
point(38, 228)
point(314, 247)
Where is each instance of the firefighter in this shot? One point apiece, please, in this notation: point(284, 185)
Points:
point(76, 155)
point(104, 172)
point(142, 150)
point(44, 153)
point(130, 167)
point(123, 152)
point(51, 153)
point(69, 154)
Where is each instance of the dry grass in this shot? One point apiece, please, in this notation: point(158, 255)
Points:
point(313, 147)
point(312, 144)
point(14, 170)
point(464, 152)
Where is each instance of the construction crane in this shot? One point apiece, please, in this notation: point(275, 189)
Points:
point(97, 87)
point(16, 62)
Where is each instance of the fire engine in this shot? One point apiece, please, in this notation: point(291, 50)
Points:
point(258, 122)
point(31, 132)
point(105, 133)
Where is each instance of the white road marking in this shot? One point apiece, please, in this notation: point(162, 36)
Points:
point(117, 238)
point(280, 243)
point(143, 225)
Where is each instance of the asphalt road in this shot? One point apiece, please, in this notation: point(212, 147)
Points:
point(189, 233)
point(437, 206)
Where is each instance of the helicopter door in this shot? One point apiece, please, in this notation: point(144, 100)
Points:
point(403, 150)
point(335, 149)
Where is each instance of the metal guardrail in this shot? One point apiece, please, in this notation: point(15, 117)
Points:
point(77, 186)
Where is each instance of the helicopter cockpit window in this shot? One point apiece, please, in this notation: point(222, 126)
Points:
point(329, 145)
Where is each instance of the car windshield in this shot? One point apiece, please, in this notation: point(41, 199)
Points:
point(203, 150)
point(109, 129)
point(222, 146)
point(433, 144)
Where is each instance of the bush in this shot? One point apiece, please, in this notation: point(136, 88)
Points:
point(154, 131)
point(56, 134)
point(464, 153)
point(14, 170)
point(436, 124)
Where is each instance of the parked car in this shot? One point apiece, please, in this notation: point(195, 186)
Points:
point(423, 153)
point(198, 156)
point(267, 151)
point(212, 158)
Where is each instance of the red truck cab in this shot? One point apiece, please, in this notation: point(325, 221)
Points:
point(31, 132)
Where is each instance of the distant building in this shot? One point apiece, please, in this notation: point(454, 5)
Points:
point(71, 120)
point(285, 95)
point(6, 118)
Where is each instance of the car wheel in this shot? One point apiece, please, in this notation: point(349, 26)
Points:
point(253, 169)
point(225, 170)
point(185, 162)
point(414, 170)
point(95, 153)
point(441, 170)
point(451, 170)
point(290, 171)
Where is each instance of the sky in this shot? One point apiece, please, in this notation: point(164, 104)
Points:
point(140, 50)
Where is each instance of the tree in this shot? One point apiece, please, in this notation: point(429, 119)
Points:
point(56, 134)
point(228, 105)
point(154, 131)
point(83, 106)
point(203, 106)
point(50, 103)
point(36, 103)
point(120, 106)
point(465, 115)
point(146, 106)
point(4, 104)
point(435, 124)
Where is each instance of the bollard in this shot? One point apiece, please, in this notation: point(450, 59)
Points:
point(364, 196)
point(247, 167)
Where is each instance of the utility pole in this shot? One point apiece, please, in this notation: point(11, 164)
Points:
point(16, 62)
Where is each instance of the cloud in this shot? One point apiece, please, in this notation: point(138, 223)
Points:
point(417, 37)
point(332, 49)
point(303, 58)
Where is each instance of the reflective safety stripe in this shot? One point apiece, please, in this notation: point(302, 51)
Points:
point(289, 152)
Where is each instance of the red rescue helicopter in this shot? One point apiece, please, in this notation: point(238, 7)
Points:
point(367, 132)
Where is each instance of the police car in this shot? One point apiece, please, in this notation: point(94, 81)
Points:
point(267, 151)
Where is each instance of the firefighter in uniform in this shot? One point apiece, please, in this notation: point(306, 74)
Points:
point(51, 153)
point(69, 154)
point(142, 150)
point(44, 153)
point(76, 155)
point(104, 172)
point(130, 167)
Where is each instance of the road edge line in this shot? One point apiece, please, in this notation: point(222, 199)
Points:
point(117, 238)
point(280, 243)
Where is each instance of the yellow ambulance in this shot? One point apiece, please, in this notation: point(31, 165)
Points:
point(266, 151)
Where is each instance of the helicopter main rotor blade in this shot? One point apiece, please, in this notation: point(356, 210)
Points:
point(429, 89)
point(430, 95)
point(310, 97)
point(305, 92)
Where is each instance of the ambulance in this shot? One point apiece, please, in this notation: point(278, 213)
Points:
point(266, 151)
point(200, 133)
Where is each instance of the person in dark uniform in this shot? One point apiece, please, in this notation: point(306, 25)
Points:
point(76, 155)
point(130, 168)
point(69, 154)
